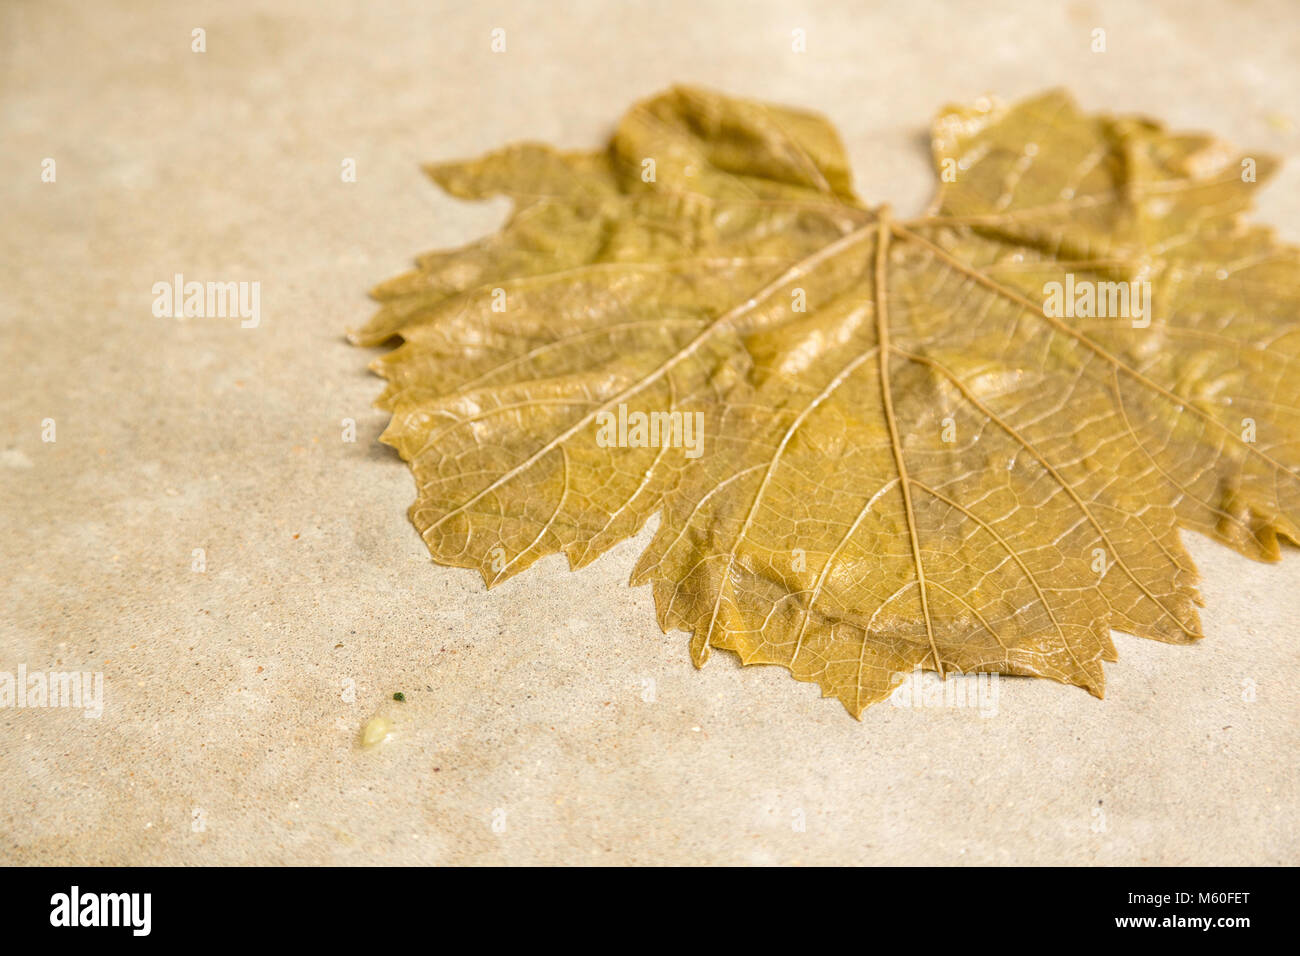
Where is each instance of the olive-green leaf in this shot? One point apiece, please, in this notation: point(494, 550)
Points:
point(963, 442)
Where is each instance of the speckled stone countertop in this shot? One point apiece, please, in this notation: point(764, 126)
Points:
point(234, 696)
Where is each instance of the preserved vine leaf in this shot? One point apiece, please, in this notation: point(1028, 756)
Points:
point(963, 442)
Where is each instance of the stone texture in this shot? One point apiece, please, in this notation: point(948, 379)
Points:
point(227, 735)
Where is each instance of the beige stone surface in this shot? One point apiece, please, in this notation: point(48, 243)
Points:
point(227, 734)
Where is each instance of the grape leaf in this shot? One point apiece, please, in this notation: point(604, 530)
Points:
point(875, 444)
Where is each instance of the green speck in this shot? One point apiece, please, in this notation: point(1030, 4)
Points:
point(400, 696)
